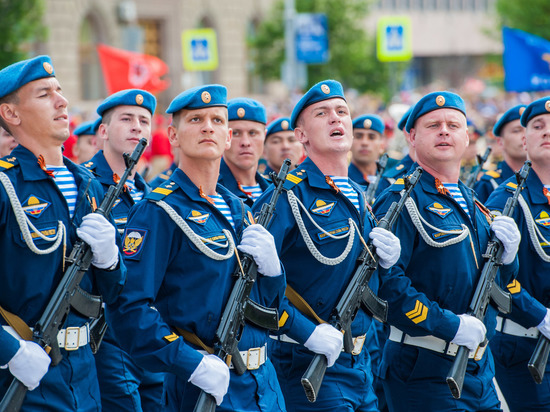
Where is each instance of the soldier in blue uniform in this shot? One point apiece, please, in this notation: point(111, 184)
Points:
point(368, 145)
point(444, 232)
point(85, 147)
point(239, 166)
point(317, 228)
point(280, 144)
point(509, 132)
point(126, 117)
point(180, 247)
point(517, 332)
point(46, 201)
point(401, 168)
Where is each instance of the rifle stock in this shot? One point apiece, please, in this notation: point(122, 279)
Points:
point(56, 312)
point(356, 291)
point(482, 296)
point(239, 307)
point(539, 359)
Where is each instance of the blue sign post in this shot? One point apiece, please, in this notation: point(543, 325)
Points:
point(312, 38)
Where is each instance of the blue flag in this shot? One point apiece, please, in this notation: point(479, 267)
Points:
point(526, 61)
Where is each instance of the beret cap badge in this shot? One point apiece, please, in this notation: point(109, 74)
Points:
point(48, 67)
point(325, 89)
point(367, 123)
point(205, 96)
point(521, 110)
point(139, 99)
point(440, 100)
point(284, 125)
point(241, 112)
point(547, 105)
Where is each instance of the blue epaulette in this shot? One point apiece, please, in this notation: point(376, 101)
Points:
point(163, 190)
point(511, 186)
point(293, 178)
point(8, 162)
point(398, 185)
point(395, 171)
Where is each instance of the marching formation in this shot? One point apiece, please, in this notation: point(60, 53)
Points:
point(338, 280)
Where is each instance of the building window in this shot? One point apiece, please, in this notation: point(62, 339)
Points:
point(92, 86)
point(151, 37)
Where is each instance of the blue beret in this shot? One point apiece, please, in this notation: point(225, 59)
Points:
point(243, 108)
point(434, 101)
point(282, 124)
point(128, 97)
point(403, 122)
point(87, 128)
point(327, 89)
point(369, 121)
point(536, 108)
point(510, 115)
point(19, 74)
point(210, 95)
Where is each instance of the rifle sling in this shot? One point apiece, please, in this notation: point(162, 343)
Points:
point(194, 339)
point(301, 304)
point(19, 326)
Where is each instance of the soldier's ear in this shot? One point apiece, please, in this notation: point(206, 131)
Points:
point(9, 114)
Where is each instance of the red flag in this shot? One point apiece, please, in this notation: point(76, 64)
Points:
point(123, 69)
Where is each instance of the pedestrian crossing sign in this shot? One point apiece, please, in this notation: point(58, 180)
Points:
point(200, 49)
point(394, 39)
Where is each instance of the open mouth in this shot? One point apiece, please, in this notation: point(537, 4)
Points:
point(336, 133)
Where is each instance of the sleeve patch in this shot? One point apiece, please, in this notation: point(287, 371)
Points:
point(133, 241)
point(419, 313)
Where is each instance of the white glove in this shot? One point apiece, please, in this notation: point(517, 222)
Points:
point(507, 232)
point(100, 234)
point(471, 332)
point(29, 364)
point(388, 246)
point(544, 326)
point(259, 243)
point(326, 340)
point(212, 376)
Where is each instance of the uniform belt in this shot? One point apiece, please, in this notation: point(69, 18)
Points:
point(253, 357)
point(509, 327)
point(70, 338)
point(358, 342)
point(429, 342)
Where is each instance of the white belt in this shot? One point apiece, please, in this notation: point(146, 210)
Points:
point(253, 357)
point(512, 328)
point(358, 342)
point(431, 342)
point(70, 338)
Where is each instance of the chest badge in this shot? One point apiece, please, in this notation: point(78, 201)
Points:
point(439, 209)
point(322, 208)
point(133, 241)
point(543, 219)
point(198, 217)
point(34, 206)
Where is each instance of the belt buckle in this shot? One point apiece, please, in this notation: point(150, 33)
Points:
point(358, 343)
point(256, 358)
point(72, 338)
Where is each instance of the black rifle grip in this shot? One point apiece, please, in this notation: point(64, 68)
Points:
point(455, 379)
point(313, 377)
point(539, 359)
point(205, 403)
point(14, 397)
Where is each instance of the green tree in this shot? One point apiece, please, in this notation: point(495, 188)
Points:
point(352, 58)
point(530, 16)
point(21, 22)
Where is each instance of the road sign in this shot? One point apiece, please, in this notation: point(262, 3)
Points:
point(200, 50)
point(394, 39)
point(311, 38)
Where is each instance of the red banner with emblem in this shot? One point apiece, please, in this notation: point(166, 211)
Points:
point(123, 69)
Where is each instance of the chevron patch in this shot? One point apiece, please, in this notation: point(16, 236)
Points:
point(419, 313)
point(514, 287)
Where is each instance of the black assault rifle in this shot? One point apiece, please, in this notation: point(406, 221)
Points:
point(381, 165)
point(68, 293)
point(240, 307)
point(472, 177)
point(357, 294)
point(486, 289)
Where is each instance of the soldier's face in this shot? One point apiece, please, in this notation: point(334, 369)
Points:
point(41, 112)
point(367, 146)
point(511, 140)
point(325, 128)
point(537, 139)
point(128, 124)
point(247, 144)
point(440, 136)
point(281, 145)
point(201, 134)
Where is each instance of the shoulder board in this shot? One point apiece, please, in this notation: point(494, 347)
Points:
point(484, 210)
point(394, 171)
point(493, 173)
point(398, 185)
point(294, 178)
point(7, 163)
point(162, 191)
point(88, 165)
point(511, 187)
